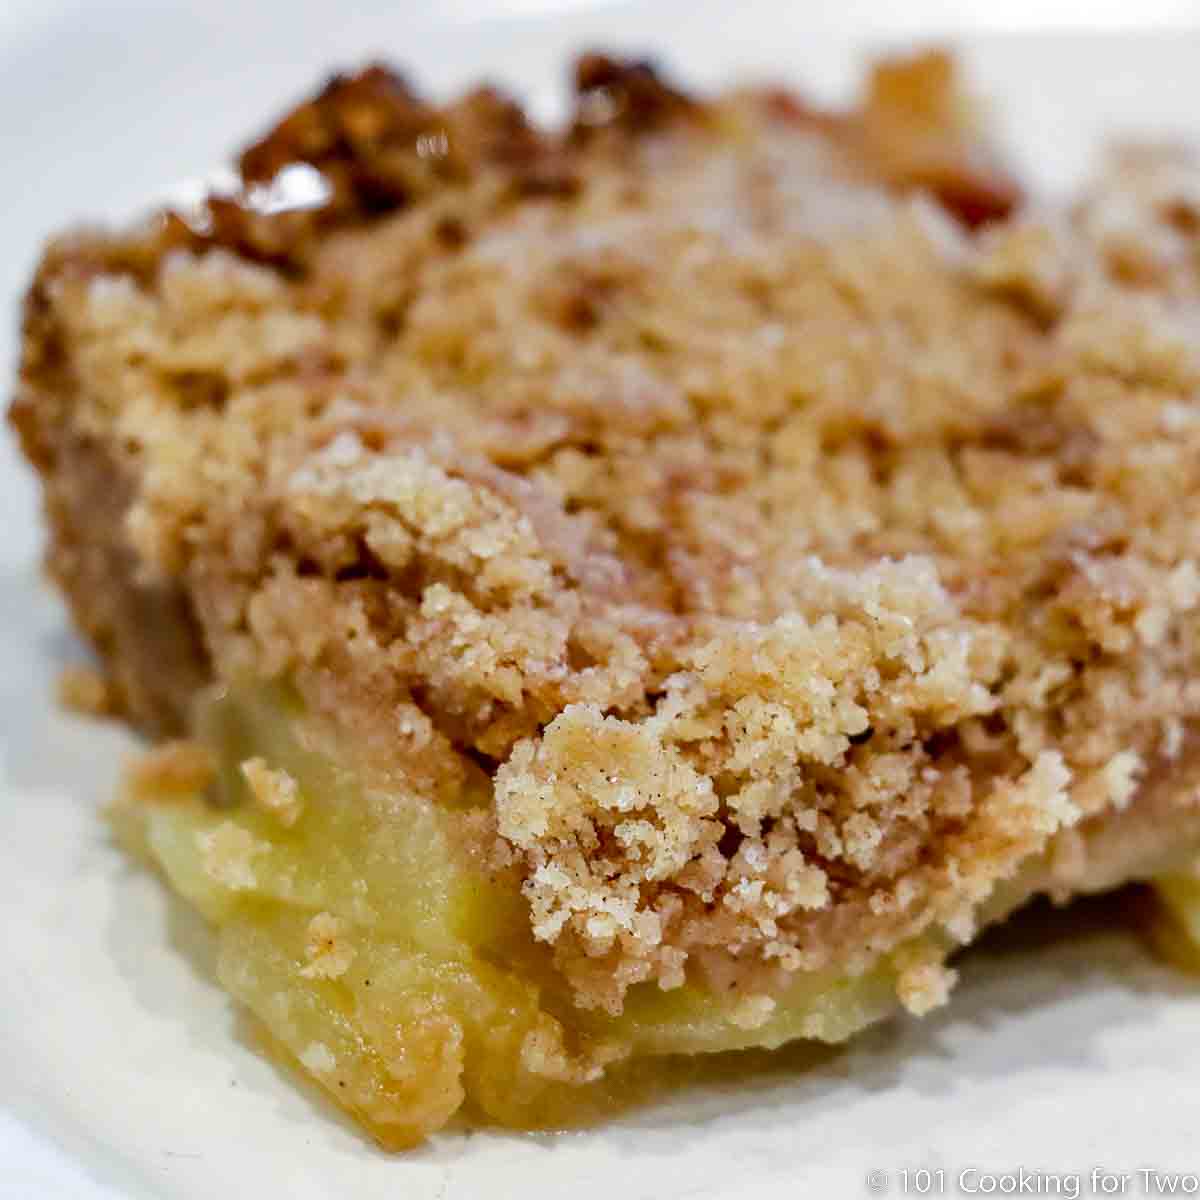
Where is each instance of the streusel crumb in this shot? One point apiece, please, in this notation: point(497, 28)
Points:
point(924, 983)
point(274, 790)
point(329, 948)
point(174, 768)
point(85, 690)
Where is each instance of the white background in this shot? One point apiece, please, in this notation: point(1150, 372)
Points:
point(123, 1071)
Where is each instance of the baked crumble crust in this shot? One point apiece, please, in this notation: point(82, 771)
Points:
point(781, 536)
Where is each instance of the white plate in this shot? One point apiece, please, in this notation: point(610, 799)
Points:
point(124, 1072)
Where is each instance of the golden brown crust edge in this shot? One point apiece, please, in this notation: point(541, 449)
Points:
point(367, 133)
point(143, 631)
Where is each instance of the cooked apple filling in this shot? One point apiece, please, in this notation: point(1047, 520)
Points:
point(388, 959)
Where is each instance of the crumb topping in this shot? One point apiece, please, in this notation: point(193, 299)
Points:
point(924, 983)
point(174, 768)
point(328, 948)
point(792, 545)
point(544, 1053)
point(274, 790)
point(85, 690)
point(752, 1012)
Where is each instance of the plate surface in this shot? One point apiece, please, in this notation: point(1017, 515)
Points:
point(124, 1071)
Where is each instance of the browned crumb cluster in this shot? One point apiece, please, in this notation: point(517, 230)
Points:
point(795, 542)
point(84, 690)
point(172, 768)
